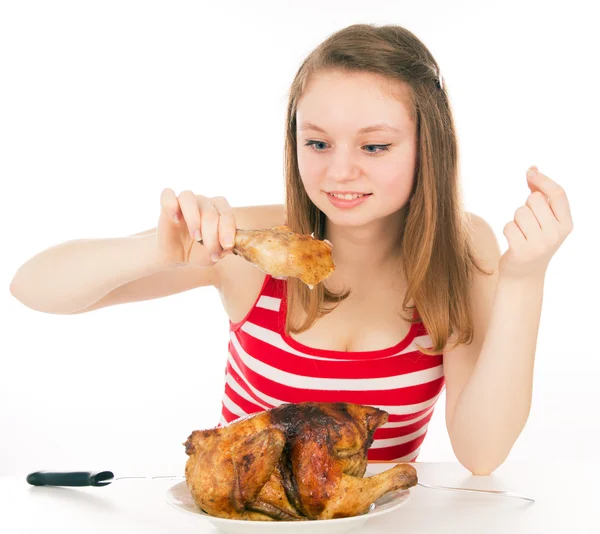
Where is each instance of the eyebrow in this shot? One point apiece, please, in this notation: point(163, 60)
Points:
point(367, 129)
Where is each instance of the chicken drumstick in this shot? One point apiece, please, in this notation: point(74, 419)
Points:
point(281, 252)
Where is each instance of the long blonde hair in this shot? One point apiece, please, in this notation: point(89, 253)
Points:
point(436, 249)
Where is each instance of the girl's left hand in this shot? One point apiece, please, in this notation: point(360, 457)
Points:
point(538, 229)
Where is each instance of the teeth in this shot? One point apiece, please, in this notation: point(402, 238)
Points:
point(346, 197)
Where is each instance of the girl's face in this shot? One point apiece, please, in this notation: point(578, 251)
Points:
point(355, 137)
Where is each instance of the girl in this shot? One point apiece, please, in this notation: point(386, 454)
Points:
point(420, 299)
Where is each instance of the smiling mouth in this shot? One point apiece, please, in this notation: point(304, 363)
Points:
point(349, 196)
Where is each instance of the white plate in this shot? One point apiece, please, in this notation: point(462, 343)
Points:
point(180, 497)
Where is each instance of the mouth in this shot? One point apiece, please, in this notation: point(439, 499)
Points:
point(347, 195)
point(346, 200)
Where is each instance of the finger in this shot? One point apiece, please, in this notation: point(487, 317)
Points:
point(527, 222)
point(556, 195)
point(169, 205)
point(227, 226)
point(538, 204)
point(226, 252)
point(209, 217)
point(191, 215)
point(513, 235)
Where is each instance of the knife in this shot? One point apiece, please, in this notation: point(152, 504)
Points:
point(81, 478)
point(104, 478)
point(89, 478)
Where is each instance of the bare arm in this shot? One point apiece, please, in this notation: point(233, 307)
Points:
point(84, 275)
point(492, 409)
point(489, 383)
point(73, 276)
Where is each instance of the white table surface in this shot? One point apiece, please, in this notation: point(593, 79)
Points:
point(566, 493)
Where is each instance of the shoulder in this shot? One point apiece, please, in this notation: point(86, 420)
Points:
point(484, 241)
point(486, 252)
point(259, 217)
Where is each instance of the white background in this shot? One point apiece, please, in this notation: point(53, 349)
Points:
point(103, 104)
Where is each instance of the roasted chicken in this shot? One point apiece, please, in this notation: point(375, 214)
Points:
point(281, 253)
point(294, 462)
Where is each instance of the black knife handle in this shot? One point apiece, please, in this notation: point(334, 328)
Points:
point(70, 478)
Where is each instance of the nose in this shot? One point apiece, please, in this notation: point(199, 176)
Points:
point(342, 168)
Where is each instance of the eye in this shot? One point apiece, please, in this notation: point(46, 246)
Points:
point(378, 148)
point(314, 144)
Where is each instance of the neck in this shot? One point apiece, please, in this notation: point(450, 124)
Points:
point(365, 251)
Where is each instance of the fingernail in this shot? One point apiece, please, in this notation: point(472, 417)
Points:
point(197, 235)
point(531, 173)
point(228, 241)
point(176, 218)
point(215, 257)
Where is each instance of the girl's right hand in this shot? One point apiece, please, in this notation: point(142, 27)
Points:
point(188, 218)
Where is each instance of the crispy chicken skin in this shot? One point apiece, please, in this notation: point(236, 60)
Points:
point(281, 253)
point(294, 462)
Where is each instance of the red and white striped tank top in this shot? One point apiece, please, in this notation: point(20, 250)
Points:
point(266, 368)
